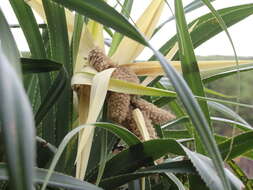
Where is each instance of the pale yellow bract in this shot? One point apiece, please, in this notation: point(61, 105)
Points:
point(140, 122)
point(146, 25)
point(98, 92)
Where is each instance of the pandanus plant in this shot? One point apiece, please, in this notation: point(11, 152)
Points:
point(73, 80)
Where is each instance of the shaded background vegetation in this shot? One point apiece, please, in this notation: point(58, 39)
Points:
point(229, 86)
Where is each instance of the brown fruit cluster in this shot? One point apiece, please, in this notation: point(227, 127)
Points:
point(121, 106)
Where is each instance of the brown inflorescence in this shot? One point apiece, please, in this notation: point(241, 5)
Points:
point(121, 106)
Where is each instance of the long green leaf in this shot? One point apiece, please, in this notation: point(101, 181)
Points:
point(215, 93)
point(103, 157)
point(227, 111)
point(176, 134)
point(30, 29)
point(127, 136)
point(224, 28)
point(129, 164)
point(241, 144)
point(34, 39)
point(189, 65)
point(39, 65)
point(188, 8)
point(177, 167)
point(117, 37)
point(8, 45)
point(239, 125)
point(226, 74)
point(75, 41)
point(60, 52)
point(58, 180)
point(232, 103)
point(122, 86)
point(139, 155)
point(96, 149)
point(31, 83)
point(184, 134)
point(207, 25)
point(175, 122)
point(209, 174)
point(103, 13)
point(17, 126)
point(53, 95)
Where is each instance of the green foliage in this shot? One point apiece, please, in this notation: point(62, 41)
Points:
point(57, 180)
point(17, 125)
point(191, 149)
